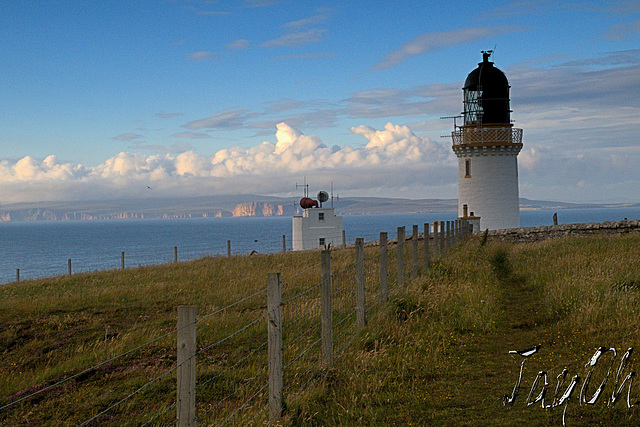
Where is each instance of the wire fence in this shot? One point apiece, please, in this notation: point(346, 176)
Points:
point(233, 379)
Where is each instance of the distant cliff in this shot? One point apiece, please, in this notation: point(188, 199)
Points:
point(258, 209)
point(47, 214)
point(43, 214)
point(236, 206)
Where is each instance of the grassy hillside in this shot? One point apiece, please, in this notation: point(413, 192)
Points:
point(436, 354)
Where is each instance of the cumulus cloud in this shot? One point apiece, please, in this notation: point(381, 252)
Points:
point(392, 158)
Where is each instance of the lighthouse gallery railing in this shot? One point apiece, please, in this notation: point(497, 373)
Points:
point(488, 135)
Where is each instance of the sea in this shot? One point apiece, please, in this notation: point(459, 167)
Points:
point(43, 249)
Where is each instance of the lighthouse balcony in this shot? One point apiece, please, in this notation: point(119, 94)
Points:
point(482, 136)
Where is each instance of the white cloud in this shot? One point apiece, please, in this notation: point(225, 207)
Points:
point(191, 135)
point(623, 30)
point(240, 44)
point(29, 169)
point(313, 35)
point(321, 15)
point(225, 120)
point(168, 115)
point(305, 56)
point(393, 157)
point(201, 56)
point(126, 137)
point(430, 42)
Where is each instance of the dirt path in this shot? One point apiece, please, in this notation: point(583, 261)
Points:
point(482, 370)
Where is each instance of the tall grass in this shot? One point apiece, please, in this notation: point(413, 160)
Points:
point(435, 354)
point(438, 354)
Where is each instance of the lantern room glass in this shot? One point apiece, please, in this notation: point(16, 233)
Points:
point(472, 107)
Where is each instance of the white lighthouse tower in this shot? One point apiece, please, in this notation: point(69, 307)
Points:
point(487, 147)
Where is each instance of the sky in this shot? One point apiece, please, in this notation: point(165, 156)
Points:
point(104, 100)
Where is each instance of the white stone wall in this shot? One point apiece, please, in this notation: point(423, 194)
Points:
point(308, 229)
point(491, 192)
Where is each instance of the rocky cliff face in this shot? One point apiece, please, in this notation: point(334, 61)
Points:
point(258, 209)
point(29, 215)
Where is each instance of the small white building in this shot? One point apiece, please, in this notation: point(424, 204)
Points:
point(316, 228)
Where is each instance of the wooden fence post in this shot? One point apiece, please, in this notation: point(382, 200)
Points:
point(344, 239)
point(435, 239)
point(229, 248)
point(326, 309)
point(122, 259)
point(17, 274)
point(274, 301)
point(447, 243)
point(360, 296)
point(401, 258)
point(426, 245)
point(414, 248)
point(175, 254)
point(455, 231)
point(186, 403)
point(284, 243)
point(69, 263)
point(441, 234)
point(384, 268)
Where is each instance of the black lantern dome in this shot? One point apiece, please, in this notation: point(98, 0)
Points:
point(486, 95)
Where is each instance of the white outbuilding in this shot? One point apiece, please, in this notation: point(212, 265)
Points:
point(317, 227)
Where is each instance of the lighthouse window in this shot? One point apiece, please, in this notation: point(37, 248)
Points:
point(320, 216)
point(472, 107)
point(321, 241)
point(467, 168)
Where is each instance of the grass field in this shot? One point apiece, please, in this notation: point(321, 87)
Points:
point(436, 354)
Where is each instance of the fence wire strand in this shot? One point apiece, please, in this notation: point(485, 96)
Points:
point(301, 294)
point(155, 380)
point(164, 411)
point(288, 279)
point(261, 291)
point(254, 351)
point(228, 337)
point(96, 366)
point(344, 313)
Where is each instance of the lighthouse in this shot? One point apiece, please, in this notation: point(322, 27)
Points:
point(487, 147)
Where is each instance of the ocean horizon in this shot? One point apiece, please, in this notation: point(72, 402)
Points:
point(42, 249)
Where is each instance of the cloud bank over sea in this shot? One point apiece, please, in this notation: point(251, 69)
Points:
point(392, 159)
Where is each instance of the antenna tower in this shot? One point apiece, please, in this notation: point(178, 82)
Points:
point(305, 186)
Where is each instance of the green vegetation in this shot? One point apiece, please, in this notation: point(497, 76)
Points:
point(436, 354)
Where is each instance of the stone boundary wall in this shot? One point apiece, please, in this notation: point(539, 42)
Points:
point(535, 234)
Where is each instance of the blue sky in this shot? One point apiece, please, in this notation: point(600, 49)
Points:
point(105, 99)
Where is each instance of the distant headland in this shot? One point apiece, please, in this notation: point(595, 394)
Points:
point(249, 205)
